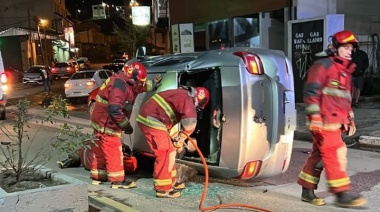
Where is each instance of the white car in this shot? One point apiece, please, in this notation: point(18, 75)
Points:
point(83, 82)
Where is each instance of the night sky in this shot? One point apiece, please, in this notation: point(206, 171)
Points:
point(85, 6)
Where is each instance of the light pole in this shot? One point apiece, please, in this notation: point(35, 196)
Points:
point(43, 23)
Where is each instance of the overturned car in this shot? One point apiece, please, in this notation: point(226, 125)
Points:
point(246, 131)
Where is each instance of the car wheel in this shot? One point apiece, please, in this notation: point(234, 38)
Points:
point(2, 114)
point(91, 107)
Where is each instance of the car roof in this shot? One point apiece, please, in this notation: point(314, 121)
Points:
point(200, 60)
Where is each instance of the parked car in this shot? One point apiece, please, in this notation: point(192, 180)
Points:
point(115, 66)
point(83, 63)
point(247, 129)
point(62, 70)
point(82, 83)
point(34, 74)
point(13, 75)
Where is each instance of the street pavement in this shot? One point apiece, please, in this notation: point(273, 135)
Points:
point(279, 193)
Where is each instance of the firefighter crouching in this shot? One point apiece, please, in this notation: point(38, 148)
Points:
point(157, 116)
point(327, 97)
point(110, 118)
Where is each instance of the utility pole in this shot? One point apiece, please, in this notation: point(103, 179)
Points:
point(30, 41)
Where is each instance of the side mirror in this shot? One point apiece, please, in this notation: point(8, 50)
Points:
point(141, 52)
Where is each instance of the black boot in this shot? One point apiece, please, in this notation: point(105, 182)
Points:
point(345, 199)
point(308, 195)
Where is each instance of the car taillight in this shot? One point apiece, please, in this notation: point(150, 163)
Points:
point(69, 69)
point(90, 83)
point(252, 62)
point(4, 81)
point(251, 169)
point(54, 69)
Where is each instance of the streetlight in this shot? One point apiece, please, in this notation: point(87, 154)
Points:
point(44, 23)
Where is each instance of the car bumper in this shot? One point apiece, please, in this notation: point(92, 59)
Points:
point(70, 94)
point(33, 82)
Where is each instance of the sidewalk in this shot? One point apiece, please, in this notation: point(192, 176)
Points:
point(367, 120)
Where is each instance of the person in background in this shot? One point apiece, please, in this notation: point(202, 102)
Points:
point(360, 58)
point(46, 80)
point(327, 98)
point(156, 117)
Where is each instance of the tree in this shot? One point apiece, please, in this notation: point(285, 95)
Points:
point(16, 156)
point(130, 36)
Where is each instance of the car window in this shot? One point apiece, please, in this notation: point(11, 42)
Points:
point(34, 70)
point(61, 65)
point(109, 73)
point(103, 75)
point(83, 75)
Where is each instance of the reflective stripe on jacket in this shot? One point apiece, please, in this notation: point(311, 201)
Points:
point(327, 91)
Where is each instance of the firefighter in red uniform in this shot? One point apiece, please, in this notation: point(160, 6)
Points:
point(327, 97)
point(110, 118)
point(157, 116)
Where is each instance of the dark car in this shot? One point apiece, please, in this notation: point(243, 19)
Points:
point(62, 70)
point(34, 75)
point(116, 65)
point(14, 75)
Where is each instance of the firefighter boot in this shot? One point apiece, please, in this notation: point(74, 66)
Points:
point(179, 186)
point(308, 195)
point(123, 185)
point(168, 194)
point(345, 199)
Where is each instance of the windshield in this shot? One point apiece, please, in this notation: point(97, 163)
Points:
point(34, 70)
point(83, 75)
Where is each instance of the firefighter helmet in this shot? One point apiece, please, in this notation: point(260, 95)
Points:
point(202, 97)
point(136, 71)
point(344, 37)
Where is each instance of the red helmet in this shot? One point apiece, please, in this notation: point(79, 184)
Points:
point(136, 71)
point(344, 37)
point(202, 96)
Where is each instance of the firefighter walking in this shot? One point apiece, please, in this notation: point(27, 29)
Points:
point(109, 119)
point(327, 97)
point(157, 116)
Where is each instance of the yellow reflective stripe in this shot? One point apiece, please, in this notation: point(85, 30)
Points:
point(123, 123)
point(339, 182)
point(151, 123)
point(164, 105)
point(105, 130)
point(174, 173)
point(158, 182)
point(312, 108)
point(336, 92)
point(99, 172)
point(105, 83)
point(308, 178)
point(101, 100)
point(331, 126)
point(116, 174)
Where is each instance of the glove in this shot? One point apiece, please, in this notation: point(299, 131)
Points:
point(350, 128)
point(128, 129)
point(315, 123)
point(157, 81)
point(179, 142)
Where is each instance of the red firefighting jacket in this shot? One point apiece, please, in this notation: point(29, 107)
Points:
point(113, 105)
point(327, 91)
point(167, 108)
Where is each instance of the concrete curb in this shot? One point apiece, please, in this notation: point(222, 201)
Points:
point(369, 141)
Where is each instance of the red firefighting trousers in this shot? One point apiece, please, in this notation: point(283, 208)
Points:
point(164, 173)
point(108, 160)
point(86, 154)
point(329, 147)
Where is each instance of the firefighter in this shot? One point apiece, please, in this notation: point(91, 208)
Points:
point(327, 98)
point(157, 116)
point(110, 118)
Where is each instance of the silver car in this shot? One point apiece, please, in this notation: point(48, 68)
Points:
point(246, 131)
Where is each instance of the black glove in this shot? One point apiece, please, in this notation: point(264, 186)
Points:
point(128, 129)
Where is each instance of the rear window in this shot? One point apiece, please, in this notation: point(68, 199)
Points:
point(83, 75)
point(61, 65)
point(34, 70)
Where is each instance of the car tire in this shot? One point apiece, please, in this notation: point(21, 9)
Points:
point(2, 114)
point(91, 107)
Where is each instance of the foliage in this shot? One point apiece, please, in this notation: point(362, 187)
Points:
point(130, 36)
point(17, 155)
